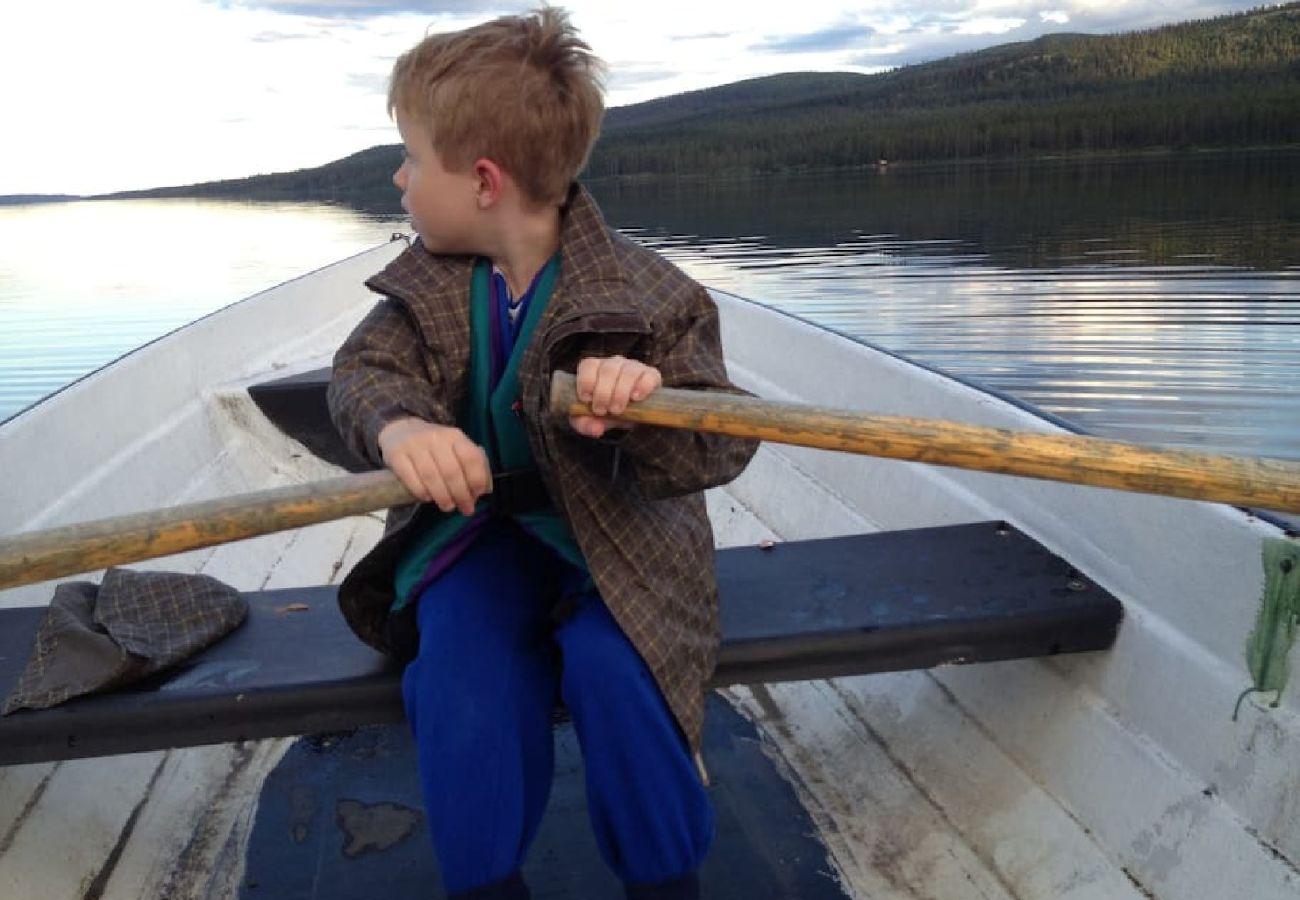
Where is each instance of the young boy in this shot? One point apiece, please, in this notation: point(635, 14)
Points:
point(549, 560)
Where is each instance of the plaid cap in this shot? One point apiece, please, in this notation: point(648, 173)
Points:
point(98, 637)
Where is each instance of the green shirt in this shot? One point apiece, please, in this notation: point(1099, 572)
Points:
point(491, 421)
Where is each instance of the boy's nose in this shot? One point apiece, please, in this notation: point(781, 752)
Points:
point(399, 177)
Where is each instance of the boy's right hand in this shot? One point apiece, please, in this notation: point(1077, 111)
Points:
point(437, 463)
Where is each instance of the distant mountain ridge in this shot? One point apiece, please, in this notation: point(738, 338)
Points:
point(1231, 81)
point(19, 199)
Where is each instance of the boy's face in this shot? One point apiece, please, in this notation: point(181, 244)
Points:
point(442, 203)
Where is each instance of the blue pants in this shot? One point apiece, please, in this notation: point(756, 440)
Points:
point(480, 697)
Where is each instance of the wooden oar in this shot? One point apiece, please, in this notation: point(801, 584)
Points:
point(1243, 481)
point(1270, 484)
point(41, 555)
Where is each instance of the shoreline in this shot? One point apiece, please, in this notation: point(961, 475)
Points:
point(205, 190)
point(914, 165)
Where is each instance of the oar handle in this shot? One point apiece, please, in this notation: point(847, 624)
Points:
point(1243, 481)
point(41, 555)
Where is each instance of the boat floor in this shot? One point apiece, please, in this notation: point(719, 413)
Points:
point(340, 817)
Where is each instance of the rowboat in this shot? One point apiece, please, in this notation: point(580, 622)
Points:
point(1114, 774)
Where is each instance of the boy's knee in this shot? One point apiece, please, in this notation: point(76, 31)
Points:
point(599, 660)
point(449, 650)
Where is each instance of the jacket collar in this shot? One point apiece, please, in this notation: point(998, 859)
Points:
point(590, 262)
point(588, 248)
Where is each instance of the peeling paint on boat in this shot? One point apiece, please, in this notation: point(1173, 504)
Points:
point(1275, 625)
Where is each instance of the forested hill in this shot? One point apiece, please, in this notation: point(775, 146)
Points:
point(1231, 81)
point(1228, 82)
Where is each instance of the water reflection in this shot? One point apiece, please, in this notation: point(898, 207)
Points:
point(83, 283)
point(1225, 209)
point(1154, 300)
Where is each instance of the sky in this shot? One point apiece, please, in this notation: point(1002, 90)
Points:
point(103, 96)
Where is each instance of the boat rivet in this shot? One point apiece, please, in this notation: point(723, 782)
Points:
point(1075, 584)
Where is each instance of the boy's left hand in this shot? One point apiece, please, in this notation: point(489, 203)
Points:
point(607, 385)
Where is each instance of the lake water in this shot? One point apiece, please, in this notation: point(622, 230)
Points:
point(1153, 299)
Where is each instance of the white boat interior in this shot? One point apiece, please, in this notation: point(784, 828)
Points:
point(1101, 776)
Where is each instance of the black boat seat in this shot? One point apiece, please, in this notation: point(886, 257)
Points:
point(854, 605)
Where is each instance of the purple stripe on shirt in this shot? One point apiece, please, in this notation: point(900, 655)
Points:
point(444, 558)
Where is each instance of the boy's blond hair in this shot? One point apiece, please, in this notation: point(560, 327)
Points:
point(523, 91)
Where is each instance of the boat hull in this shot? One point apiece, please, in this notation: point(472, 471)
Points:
point(1117, 774)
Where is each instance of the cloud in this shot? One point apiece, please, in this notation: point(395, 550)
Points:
point(839, 37)
point(912, 47)
point(702, 36)
point(311, 76)
point(949, 28)
point(623, 76)
point(1097, 17)
point(275, 37)
point(370, 9)
point(370, 82)
point(383, 133)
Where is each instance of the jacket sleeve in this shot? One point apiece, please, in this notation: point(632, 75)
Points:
point(380, 375)
point(668, 462)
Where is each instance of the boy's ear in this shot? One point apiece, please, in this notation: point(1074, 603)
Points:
point(491, 182)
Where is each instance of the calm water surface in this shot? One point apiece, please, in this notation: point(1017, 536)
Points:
point(1154, 300)
point(83, 283)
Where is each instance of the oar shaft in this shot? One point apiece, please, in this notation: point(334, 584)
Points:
point(42, 555)
point(1264, 483)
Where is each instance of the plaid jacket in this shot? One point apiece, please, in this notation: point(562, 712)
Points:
point(633, 501)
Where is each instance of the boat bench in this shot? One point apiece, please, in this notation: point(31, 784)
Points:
point(882, 602)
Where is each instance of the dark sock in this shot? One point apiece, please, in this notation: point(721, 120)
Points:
point(511, 887)
point(685, 888)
